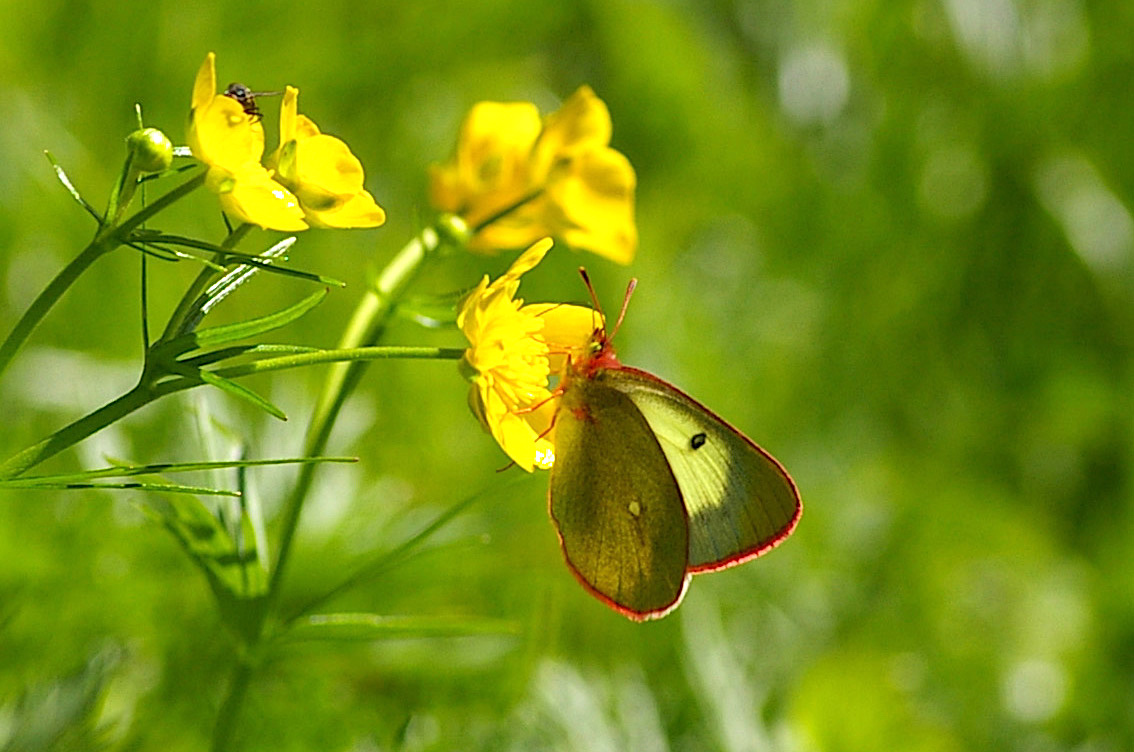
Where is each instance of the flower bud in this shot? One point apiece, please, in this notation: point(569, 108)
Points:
point(151, 149)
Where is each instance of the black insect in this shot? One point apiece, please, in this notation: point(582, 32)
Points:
point(698, 440)
point(247, 99)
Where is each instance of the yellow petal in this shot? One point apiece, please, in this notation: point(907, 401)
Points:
point(565, 325)
point(322, 172)
point(518, 229)
point(519, 434)
point(508, 362)
point(326, 172)
point(361, 210)
point(205, 85)
point(250, 195)
point(305, 127)
point(582, 124)
point(596, 199)
point(490, 171)
point(221, 133)
point(495, 141)
point(289, 107)
point(529, 259)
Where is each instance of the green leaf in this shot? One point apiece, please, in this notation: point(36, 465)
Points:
point(92, 478)
point(159, 253)
point(63, 713)
point(355, 627)
point(172, 170)
point(259, 262)
point(220, 335)
point(137, 485)
point(66, 181)
point(257, 352)
point(402, 551)
point(239, 390)
point(165, 352)
point(231, 566)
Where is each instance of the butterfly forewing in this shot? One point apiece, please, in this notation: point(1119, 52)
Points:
point(615, 502)
point(739, 499)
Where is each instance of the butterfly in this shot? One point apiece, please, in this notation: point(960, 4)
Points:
point(649, 486)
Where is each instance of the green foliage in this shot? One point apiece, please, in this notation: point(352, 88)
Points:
point(890, 241)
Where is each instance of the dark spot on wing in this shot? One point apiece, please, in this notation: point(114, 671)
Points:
point(698, 440)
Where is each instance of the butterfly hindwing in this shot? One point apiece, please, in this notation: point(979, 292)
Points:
point(739, 500)
point(616, 503)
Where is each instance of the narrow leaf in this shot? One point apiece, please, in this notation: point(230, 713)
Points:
point(220, 335)
point(136, 485)
point(401, 552)
point(262, 262)
point(242, 392)
point(224, 286)
point(66, 181)
point(234, 574)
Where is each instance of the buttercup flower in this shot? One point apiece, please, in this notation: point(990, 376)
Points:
point(322, 172)
point(518, 179)
point(231, 142)
point(513, 350)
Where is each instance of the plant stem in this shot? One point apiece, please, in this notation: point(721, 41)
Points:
point(226, 718)
point(364, 329)
point(353, 356)
point(199, 283)
point(147, 391)
point(70, 435)
point(105, 241)
point(50, 295)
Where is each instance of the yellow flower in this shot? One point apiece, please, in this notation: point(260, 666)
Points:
point(513, 350)
point(230, 142)
point(517, 179)
point(322, 172)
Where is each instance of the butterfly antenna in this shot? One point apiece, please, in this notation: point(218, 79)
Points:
point(598, 306)
point(591, 289)
point(625, 304)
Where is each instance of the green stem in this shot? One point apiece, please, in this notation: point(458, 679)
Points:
point(50, 295)
point(226, 718)
point(147, 391)
point(351, 356)
point(107, 240)
point(142, 215)
point(70, 435)
point(200, 282)
point(364, 329)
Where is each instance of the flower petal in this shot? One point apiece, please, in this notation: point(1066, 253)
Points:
point(322, 171)
point(596, 199)
point(205, 85)
point(507, 360)
point(250, 195)
point(581, 125)
point(220, 133)
point(361, 210)
point(514, 180)
point(490, 170)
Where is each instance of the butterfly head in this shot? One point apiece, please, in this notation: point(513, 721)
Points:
point(600, 351)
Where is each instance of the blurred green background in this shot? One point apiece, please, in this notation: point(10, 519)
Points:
point(890, 241)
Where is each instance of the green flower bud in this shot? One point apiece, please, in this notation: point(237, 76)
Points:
point(454, 229)
point(151, 149)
